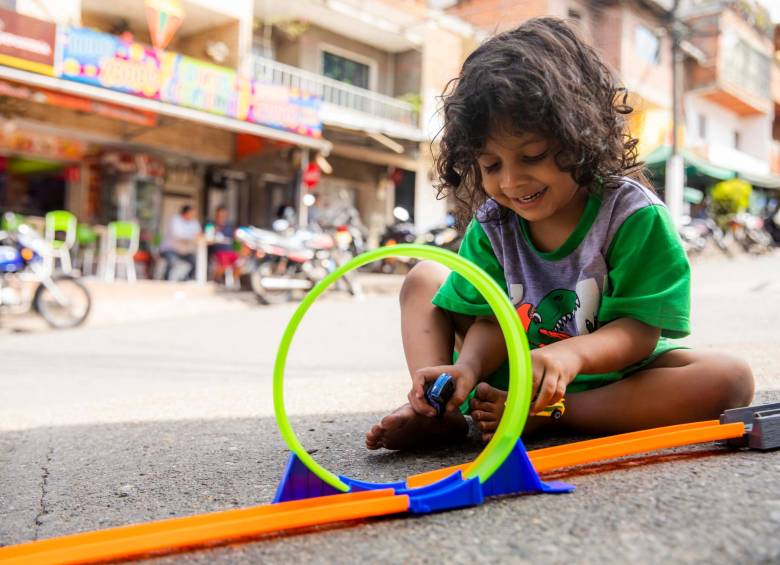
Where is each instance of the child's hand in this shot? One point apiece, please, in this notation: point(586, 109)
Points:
point(553, 370)
point(465, 379)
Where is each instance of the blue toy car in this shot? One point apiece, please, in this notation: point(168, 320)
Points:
point(439, 392)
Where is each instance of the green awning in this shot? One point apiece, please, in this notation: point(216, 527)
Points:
point(692, 195)
point(694, 165)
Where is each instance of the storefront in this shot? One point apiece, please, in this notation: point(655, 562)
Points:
point(148, 131)
point(37, 170)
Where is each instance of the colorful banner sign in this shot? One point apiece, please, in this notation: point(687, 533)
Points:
point(27, 43)
point(42, 145)
point(108, 61)
point(87, 105)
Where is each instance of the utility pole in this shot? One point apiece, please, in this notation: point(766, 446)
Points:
point(675, 166)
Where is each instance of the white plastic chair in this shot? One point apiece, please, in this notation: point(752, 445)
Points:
point(60, 221)
point(130, 234)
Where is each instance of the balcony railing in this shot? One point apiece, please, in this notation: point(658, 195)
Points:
point(335, 92)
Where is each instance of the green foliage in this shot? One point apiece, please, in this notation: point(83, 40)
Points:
point(414, 99)
point(730, 196)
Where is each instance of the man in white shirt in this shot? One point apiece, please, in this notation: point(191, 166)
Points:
point(181, 240)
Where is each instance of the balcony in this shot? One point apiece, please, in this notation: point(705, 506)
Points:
point(345, 105)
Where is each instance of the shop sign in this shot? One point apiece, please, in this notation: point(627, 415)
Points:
point(41, 145)
point(27, 43)
point(286, 109)
point(202, 86)
point(113, 111)
point(108, 61)
point(104, 60)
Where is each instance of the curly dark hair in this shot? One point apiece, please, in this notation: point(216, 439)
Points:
point(540, 77)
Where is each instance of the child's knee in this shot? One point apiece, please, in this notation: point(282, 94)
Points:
point(424, 279)
point(736, 383)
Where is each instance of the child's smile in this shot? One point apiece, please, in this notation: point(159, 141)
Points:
point(520, 173)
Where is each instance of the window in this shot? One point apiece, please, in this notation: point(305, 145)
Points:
point(346, 70)
point(647, 46)
point(736, 139)
point(702, 126)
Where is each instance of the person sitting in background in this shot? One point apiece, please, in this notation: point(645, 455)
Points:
point(181, 241)
point(220, 237)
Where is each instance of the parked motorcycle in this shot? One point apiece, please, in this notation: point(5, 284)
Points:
point(401, 231)
point(287, 260)
point(697, 233)
point(748, 230)
point(26, 284)
point(772, 225)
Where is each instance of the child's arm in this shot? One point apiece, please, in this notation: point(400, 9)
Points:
point(483, 351)
point(612, 347)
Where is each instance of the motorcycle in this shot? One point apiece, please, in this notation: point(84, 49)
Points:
point(290, 261)
point(696, 234)
point(748, 230)
point(772, 225)
point(445, 235)
point(401, 231)
point(27, 284)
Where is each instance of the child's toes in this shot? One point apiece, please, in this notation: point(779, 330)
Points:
point(487, 393)
point(482, 416)
point(374, 437)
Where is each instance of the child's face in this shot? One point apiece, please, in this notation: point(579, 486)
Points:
point(519, 172)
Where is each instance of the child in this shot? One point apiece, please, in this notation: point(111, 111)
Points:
point(534, 146)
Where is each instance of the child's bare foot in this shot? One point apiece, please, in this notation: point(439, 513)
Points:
point(405, 428)
point(487, 407)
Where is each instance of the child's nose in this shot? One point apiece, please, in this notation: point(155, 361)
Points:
point(512, 177)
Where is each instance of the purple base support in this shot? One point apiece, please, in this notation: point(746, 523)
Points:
point(299, 483)
point(515, 476)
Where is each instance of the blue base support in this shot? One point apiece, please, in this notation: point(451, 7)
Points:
point(299, 483)
point(515, 476)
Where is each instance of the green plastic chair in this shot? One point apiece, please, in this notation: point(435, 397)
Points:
point(61, 222)
point(11, 221)
point(122, 245)
point(86, 237)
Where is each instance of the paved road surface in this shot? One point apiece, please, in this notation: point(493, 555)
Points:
point(122, 423)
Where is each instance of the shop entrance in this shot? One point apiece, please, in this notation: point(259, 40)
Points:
point(32, 187)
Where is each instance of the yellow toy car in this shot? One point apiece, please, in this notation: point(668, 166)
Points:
point(554, 411)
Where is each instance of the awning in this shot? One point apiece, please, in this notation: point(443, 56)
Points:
point(694, 165)
point(164, 108)
point(761, 181)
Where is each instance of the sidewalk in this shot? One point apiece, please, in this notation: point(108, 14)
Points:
point(122, 302)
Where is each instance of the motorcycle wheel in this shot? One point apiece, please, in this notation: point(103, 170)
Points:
point(62, 316)
point(265, 295)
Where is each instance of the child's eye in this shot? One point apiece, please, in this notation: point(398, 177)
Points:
point(535, 158)
point(491, 168)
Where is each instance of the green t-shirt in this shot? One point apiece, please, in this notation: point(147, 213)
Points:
point(623, 259)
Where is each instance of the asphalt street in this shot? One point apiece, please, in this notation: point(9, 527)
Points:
point(114, 424)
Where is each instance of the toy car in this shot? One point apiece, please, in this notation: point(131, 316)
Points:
point(554, 411)
point(439, 392)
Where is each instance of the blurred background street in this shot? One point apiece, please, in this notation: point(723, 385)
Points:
point(176, 174)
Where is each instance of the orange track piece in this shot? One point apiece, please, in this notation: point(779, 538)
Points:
point(609, 447)
point(620, 447)
point(167, 535)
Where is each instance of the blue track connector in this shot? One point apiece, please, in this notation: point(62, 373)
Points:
point(515, 476)
point(299, 483)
